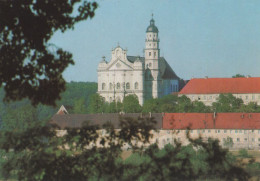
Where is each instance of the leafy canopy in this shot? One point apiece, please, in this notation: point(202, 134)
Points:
point(30, 67)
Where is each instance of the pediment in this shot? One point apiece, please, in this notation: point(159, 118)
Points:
point(120, 65)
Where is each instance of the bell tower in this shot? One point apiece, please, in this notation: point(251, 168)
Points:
point(152, 55)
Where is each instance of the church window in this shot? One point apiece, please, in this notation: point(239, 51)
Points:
point(118, 85)
point(127, 85)
point(110, 86)
point(136, 85)
point(103, 86)
point(150, 54)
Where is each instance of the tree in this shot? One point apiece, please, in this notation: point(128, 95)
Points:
point(227, 103)
point(84, 154)
point(30, 67)
point(79, 106)
point(20, 118)
point(200, 107)
point(184, 104)
point(228, 142)
point(238, 75)
point(151, 105)
point(96, 104)
point(131, 104)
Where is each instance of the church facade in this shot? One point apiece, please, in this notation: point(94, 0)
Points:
point(147, 77)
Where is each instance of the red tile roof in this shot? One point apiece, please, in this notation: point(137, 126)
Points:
point(209, 121)
point(222, 85)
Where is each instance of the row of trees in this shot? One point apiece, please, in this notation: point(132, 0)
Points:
point(37, 153)
point(169, 103)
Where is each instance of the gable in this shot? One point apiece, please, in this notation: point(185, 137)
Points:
point(120, 65)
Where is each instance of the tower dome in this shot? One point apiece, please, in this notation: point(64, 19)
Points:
point(152, 27)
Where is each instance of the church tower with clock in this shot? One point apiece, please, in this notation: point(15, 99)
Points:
point(147, 77)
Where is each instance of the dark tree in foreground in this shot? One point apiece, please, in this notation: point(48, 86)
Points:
point(29, 66)
point(37, 153)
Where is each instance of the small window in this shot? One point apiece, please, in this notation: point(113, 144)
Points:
point(253, 97)
point(118, 85)
point(246, 97)
point(203, 131)
point(225, 131)
point(199, 98)
point(218, 131)
point(110, 86)
point(127, 85)
point(245, 131)
point(191, 131)
point(103, 86)
point(209, 131)
point(205, 98)
point(245, 139)
point(198, 131)
point(136, 85)
point(240, 131)
point(236, 131)
point(238, 139)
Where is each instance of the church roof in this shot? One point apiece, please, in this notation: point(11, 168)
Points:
point(166, 70)
point(152, 27)
point(222, 85)
point(168, 73)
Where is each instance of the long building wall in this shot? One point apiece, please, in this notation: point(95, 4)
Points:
point(242, 128)
point(208, 99)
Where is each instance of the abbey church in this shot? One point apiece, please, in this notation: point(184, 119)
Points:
point(147, 77)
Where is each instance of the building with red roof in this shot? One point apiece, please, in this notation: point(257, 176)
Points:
point(242, 128)
point(207, 90)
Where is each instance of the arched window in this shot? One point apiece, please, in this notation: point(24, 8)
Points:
point(136, 85)
point(118, 85)
point(110, 86)
point(103, 86)
point(127, 85)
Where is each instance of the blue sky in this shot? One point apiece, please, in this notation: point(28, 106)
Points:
point(214, 38)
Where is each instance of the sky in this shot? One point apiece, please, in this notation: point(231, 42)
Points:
point(214, 38)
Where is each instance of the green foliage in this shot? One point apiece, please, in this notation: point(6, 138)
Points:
point(76, 94)
point(97, 104)
point(151, 105)
point(243, 153)
point(79, 106)
point(199, 160)
point(238, 75)
point(228, 142)
point(227, 103)
point(20, 118)
point(131, 104)
point(31, 67)
point(81, 154)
